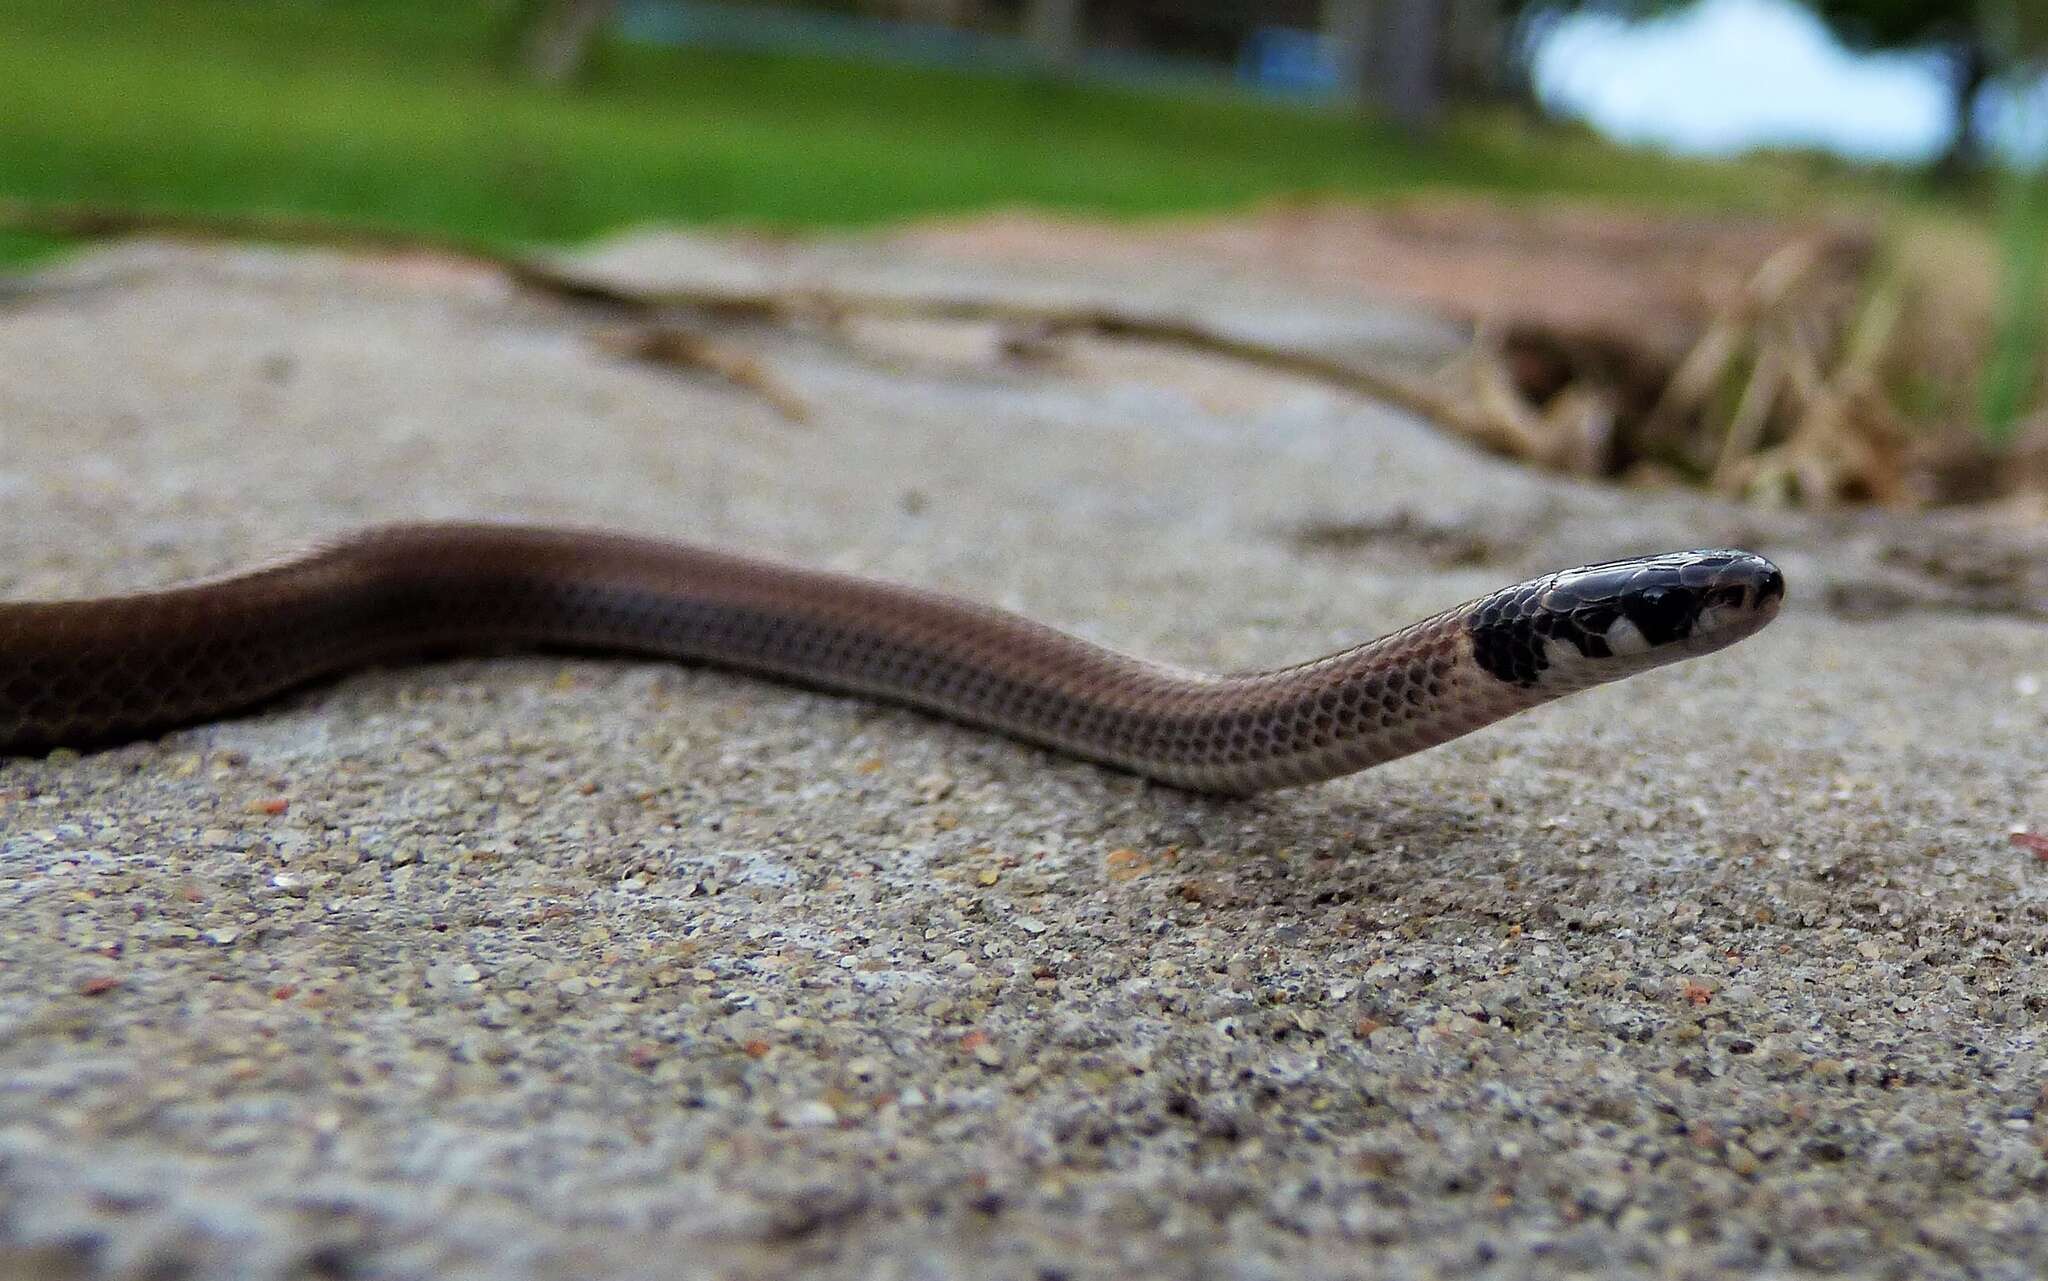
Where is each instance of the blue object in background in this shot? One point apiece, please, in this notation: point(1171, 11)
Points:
point(1288, 60)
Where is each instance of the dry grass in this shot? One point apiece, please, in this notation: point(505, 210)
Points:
point(1816, 386)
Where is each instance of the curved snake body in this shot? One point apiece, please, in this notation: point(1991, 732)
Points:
point(81, 673)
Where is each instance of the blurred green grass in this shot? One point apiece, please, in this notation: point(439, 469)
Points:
point(2013, 371)
point(401, 116)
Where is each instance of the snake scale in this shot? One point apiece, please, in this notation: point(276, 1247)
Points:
point(92, 672)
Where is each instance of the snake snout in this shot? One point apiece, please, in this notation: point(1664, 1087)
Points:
point(1744, 582)
point(1770, 585)
point(1741, 592)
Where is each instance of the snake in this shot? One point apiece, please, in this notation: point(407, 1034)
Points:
point(89, 673)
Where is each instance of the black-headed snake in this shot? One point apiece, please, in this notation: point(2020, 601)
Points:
point(89, 672)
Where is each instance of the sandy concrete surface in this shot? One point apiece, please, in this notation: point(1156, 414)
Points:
point(547, 968)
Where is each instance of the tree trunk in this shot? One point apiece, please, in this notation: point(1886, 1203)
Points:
point(1412, 63)
point(1054, 27)
point(1476, 65)
point(1348, 27)
point(558, 44)
point(1970, 70)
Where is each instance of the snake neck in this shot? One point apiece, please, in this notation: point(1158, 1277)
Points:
point(1331, 716)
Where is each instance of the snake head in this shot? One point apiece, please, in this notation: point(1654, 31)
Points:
point(1600, 622)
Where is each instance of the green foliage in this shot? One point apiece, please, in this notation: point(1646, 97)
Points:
point(1894, 24)
point(2008, 32)
point(2012, 381)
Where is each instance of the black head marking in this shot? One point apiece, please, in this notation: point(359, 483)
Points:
point(1663, 614)
point(1664, 600)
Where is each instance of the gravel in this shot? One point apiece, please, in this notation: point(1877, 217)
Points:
point(543, 968)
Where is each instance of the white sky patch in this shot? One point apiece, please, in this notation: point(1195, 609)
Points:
point(1725, 75)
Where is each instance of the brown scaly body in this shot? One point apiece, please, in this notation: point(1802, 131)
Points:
point(80, 673)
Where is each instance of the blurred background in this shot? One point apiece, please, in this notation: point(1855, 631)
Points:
point(1789, 250)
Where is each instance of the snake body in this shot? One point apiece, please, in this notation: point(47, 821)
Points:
point(90, 672)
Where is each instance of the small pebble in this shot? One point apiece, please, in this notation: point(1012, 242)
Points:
point(810, 1114)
